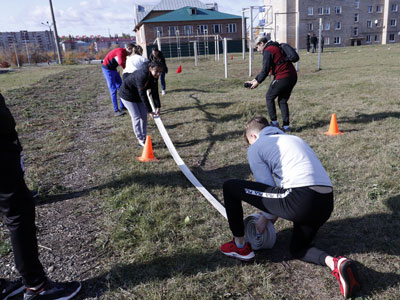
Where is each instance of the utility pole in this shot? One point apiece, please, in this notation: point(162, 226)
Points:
point(55, 33)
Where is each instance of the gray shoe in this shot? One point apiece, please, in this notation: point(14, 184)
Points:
point(118, 113)
point(274, 124)
point(286, 128)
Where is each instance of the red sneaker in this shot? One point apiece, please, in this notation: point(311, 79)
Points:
point(344, 272)
point(245, 253)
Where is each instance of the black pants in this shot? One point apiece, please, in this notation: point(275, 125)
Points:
point(18, 208)
point(281, 88)
point(307, 209)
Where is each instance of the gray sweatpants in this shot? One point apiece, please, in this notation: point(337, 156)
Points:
point(138, 113)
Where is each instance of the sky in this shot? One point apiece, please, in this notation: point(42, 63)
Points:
point(86, 17)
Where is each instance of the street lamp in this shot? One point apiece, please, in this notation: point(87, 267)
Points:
point(51, 35)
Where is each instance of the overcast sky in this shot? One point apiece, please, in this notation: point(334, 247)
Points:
point(86, 17)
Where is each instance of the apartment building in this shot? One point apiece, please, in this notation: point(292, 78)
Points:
point(344, 22)
point(22, 39)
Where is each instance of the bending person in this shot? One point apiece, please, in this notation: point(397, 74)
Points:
point(110, 64)
point(291, 183)
point(134, 97)
point(134, 61)
point(285, 78)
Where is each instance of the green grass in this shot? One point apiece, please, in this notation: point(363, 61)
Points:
point(153, 252)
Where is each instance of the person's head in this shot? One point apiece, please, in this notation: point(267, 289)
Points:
point(261, 41)
point(253, 128)
point(139, 50)
point(129, 48)
point(155, 51)
point(155, 68)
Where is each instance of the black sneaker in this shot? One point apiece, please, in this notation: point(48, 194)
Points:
point(274, 124)
point(54, 291)
point(286, 129)
point(118, 113)
point(10, 288)
point(123, 109)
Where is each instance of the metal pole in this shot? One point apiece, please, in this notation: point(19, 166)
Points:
point(243, 34)
point(226, 57)
point(27, 53)
point(319, 43)
point(251, 42)
point(297, 31)
point(159, 43)
point(55, 33)
point(215, 47)
point(218, 48)
point(196, 59)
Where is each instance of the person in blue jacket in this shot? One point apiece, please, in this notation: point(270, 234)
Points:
point(292, 184)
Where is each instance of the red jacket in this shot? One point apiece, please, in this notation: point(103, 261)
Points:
point(114, 58)
point(274, 62)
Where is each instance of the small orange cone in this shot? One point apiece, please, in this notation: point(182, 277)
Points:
point(179, 69)
point(147, 154)
point(333, 127)
point(231, 57)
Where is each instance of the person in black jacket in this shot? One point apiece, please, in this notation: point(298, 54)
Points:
point(18, 207)
point(156, 55)
point(134, 97)
point(314, 42)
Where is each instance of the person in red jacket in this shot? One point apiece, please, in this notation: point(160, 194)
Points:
point(285, 78)
point(110, 64)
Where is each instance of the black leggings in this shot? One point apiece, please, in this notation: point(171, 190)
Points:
point(306, 208)
point(281, 88)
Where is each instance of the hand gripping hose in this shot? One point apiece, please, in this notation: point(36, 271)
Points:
point(251, 236)
point(258, 241)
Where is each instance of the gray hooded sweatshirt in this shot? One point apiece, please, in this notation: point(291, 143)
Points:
point(286, 161)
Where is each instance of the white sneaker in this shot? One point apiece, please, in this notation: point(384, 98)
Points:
point(141, 143)
point(163, 92)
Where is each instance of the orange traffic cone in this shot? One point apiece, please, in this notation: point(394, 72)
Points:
point(179, 69)
point(147, 154)
point(333, 127)
point(231, 57)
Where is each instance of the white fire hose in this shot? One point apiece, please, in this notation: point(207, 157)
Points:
point(256, 240)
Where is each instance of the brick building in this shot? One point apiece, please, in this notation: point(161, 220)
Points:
point(183, 25)
point(344, 22)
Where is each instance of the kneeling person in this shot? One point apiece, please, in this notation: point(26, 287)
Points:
point(291, 183)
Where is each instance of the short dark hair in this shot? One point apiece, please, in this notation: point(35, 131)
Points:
point(256, 123)
point(156, 64)
point(155, 49)
point(130, 45)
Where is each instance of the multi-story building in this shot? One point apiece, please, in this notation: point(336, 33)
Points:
point(181, 22)
point(344, 22)
point(44, 40)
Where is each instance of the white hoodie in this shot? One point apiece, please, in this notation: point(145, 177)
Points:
point(283, 160)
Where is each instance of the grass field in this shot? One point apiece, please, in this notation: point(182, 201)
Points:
point(151, 252)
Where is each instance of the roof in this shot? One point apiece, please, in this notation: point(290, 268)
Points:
point(184, 14)
point(164, 5)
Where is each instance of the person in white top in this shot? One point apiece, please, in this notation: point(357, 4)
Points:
point(292, 184)
point(134, 61)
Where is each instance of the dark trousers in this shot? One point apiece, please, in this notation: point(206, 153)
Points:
point(307, 209)
point(281, 88)
point(162, 81)
point(18, 208)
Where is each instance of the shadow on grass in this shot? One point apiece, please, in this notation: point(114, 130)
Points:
point(359, 119)
point(192, 90)
point(218, 105)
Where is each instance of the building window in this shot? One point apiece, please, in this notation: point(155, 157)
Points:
point(376, 38)
point(172, 30)
point(393, 23)
point(230, 28)
point(338, 10)
point(158, 31)
point(187, 30)
point(355, 31)
point(369, 23)
point(320, 10)
point(368, 38)
point(327, 42)
point(216, 28)
point(338, 26)
point(391, 37)
point(327, 11)
point(202, 29)
point(395, 7)
point(378, 8)
point(370, 9)
point(357, 4)
point(310, 11)
point(310, 26)
point(378, 23)
point(356, 17)
point(336, 40)
point(327, 26)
